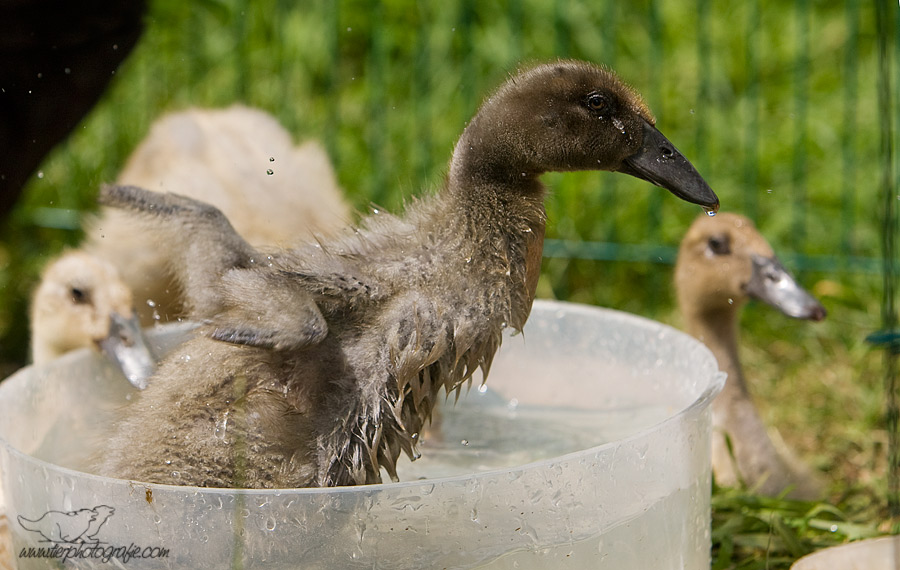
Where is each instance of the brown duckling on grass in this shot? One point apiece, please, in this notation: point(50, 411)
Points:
point(722, 263)
point(320, 364)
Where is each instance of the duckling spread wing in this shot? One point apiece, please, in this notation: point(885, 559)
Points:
point(267, 309)
point(201, 243)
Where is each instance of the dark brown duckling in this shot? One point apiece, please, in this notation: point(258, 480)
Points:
point(321, 363)
point(722, 263)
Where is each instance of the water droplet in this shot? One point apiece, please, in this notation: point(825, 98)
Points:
point(270, 172)
point(349, 29)
point(151, 303)
point(710, 211)
point(618, 124)
point(768, 190)
point(482, 389)
point(833, 528)
point(271, 159)
point(222, 426)
point(67, 70)
point(731, 301)
point(271, 523)
point(40, 174)
point(464, 442)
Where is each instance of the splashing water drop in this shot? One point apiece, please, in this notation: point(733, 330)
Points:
point(270, 172)
point(271, 159)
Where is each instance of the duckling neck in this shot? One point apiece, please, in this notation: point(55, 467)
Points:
point(499, 209)
point(718, 330)
point(489, 157)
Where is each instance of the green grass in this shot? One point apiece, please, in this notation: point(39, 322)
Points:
point(774, 102)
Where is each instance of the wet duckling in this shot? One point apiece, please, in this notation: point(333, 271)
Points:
point(320, 364)
point(239, 159)
point(82, 302)
point(723, 262)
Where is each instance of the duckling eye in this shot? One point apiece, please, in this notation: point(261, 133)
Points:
point(80, 296)
point(719, 245)
point(597, 103)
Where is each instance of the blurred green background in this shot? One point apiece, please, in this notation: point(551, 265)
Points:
point(776, 103)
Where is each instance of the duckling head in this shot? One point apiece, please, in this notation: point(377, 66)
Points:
point(81, 302)
point(572, 115)
point(724, 261)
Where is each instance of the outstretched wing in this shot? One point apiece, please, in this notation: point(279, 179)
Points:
point(201, 243)
point(267, 309)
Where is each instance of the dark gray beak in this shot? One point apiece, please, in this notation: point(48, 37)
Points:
point(126, 347)
point(772, 284)
point(660, 163)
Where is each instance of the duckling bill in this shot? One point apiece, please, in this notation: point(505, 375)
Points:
point(320, 364)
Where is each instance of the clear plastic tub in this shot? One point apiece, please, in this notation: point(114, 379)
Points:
point(590, 450)
point(871, 554)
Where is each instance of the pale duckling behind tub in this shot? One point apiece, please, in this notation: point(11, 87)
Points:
point(240, 160)
point(223, 156)
point(82, 302)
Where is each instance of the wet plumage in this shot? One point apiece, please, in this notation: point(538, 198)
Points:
point(320, 364)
